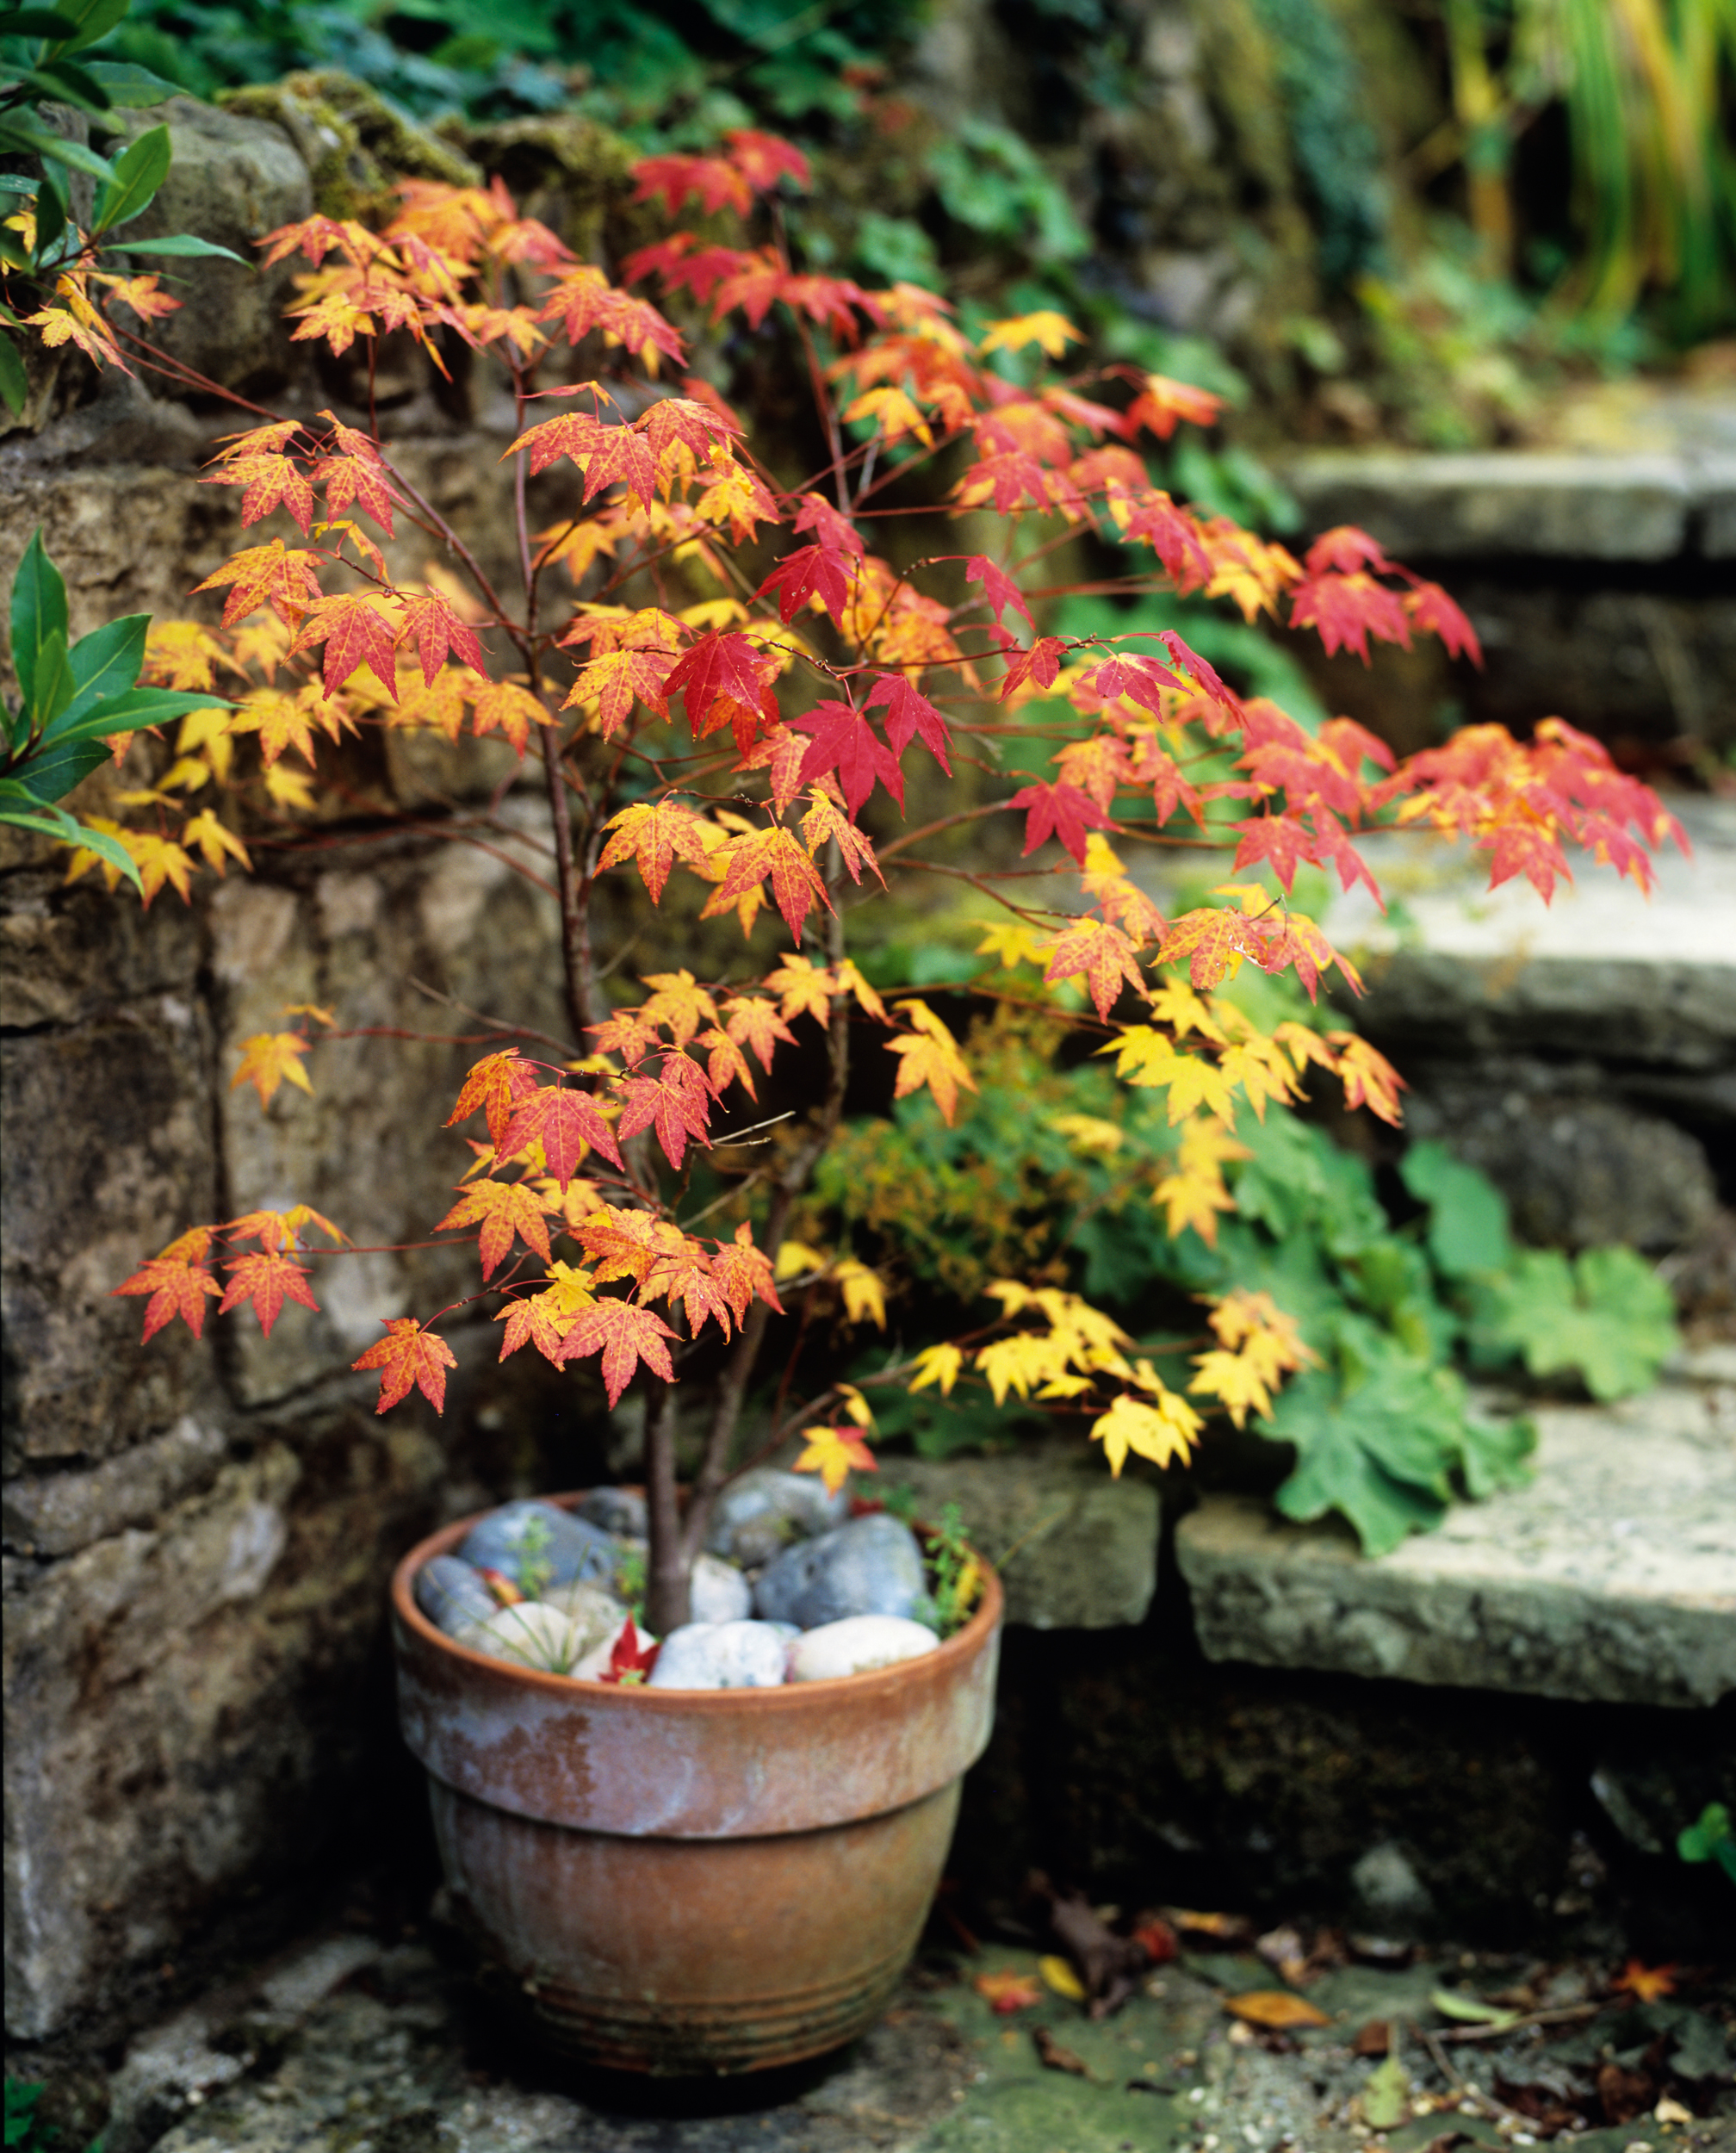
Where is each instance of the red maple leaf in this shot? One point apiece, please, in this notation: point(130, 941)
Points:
point(717, 665)
point(624, 1336)
point(1281, 840)
point(844, 741)
point(1141, 679)
point(431, 624)
point(271, 481)
point(567, 1123)
point(831, 528)
point(1191, 662)
point(677, 1104)
point(1434, 613)
point(356, 478)
point(809, 572)
point(675, 179)
point(631, 1657)
point(1058, 811)
point(1349, 608)
point(908, 713)
point(407, 1354)
point(1040, 663)
point(1347, 549)
point(177, 1285)
point(744, 1272)
point(267, 1280)
point(764, 159)
point(355, 633)
point(674, 421)
point(1173, 536)
point(998, 587)
point(795, 881)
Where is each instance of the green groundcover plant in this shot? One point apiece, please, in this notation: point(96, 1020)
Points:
point(724, 689)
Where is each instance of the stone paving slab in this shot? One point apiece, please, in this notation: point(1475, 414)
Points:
point(1611, 1578)
point(1515, 504)
point(395, 2055)
point(1076, 1549)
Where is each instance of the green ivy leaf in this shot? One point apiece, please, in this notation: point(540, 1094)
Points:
point(1467, 1215)
point(1607, 1318)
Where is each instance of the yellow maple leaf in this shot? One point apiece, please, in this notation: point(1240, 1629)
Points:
point(940, 1365)
point(268, 1058)
point(794, 1257)
point(864, 1297)
point(892, 411)
point(1148, 1058)
point(1088, 1133)
point(214, 840)
point(1053, 332)
point(1194, 1193)
point(928, 1054)
point(1162, 1429)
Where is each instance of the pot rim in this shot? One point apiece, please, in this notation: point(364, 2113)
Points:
point(962, 1645)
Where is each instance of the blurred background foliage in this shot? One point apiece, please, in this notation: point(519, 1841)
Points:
point(1491, 189)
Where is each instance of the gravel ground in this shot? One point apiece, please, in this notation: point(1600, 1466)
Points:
point(359, 2044)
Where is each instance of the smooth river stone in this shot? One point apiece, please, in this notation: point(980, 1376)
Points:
point(595, 1616)
point(722, 1656)
point(871, 1566)
point(620, 1510)
point(857, 1644)
point(452, 1595)
point(532, 1634)
point(759, 1514)
point(719, 1592)
point(571, 1551)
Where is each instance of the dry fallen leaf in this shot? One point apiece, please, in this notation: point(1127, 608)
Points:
point(1060, 1977)
point(1054, 2058)
point(1372, 2039)
point(1227, 1928)
point(1008, 1991)
point(1274, 2008)
point(1648, 1984)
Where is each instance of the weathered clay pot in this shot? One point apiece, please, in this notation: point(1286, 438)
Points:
point(697, 1880)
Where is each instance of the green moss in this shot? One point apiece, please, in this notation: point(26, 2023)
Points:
point(356, 147)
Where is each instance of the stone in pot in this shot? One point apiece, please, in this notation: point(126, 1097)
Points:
point(719, 1592)
point(538, 1545)
point(759, 1516)
point(871, 1566)
point(452, 1595)
point(722, 1656)
point(857, 1645)
point(530, 1634)
point(596, 1617)
point(620, 1510)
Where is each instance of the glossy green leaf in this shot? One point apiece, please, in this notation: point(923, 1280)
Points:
point(184, 244)
point(39, 612)
point(52, 821)
point(51, 223)
point(63, 81)
point(128, 83)
point(95, 18)
point(47, 22)
point(104, 664)
point(52, 772)
point(131, 709)
point(139, 171)
point(19, 137)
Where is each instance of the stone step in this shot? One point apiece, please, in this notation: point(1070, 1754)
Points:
point(1519, 504)
point(1610, 1579)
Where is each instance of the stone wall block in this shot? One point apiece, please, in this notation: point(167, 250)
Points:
point(186, 1704)
point(234, 179)
point(107, 1159)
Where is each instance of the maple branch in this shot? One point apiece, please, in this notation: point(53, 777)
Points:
point(738, 1369)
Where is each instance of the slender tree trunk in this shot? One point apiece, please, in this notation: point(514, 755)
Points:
point(666, 1600)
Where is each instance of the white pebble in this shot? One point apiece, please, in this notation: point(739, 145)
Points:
point(719, 1592)
point(856, 1645)
point(597, 1618)
point(530, 1633)
point(722, 1656)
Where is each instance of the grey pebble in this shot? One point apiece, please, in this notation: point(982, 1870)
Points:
point(620, 1510)
point(871, 1566)
point(571, 1551)
point(452, 1595)
point(759, 1516)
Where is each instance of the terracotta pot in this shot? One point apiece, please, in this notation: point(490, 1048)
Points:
point(697, 1880)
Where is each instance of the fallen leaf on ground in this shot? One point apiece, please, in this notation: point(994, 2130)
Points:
point(1156, 1940)
point(1274, 2008)
point(1669, 2111)
point(1060, 1976)
point(1648, 1983)
point(1469, 2010)
point(1372, 2039)
point(1228, 1929)
point(1624, 2094)
point(1008, 1990)
point(1054, 2058)
point(1386, 2097)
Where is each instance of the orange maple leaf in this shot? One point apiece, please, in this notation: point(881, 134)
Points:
point(501, 1209)
point(568, 1125)
point(356, 632)
point(265, 575)
point(177, 1283)
point(267, 1280)
point(1103, 954)
point(678, 1002)
point(496, 1084)
point(407, 1354)
point(614, 680)
point(777, 854)
point(1369, 1079)
point(744, 1273)
point(504, 704)
point(758, 1025)
point(1009, 1991)
point(271, 481)
point(624, 1336)
point(267, 1059)
point(655, 833)
point(1649, 1985)
point(677, 1104)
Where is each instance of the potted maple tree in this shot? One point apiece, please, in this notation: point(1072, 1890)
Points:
point(724, 1878)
